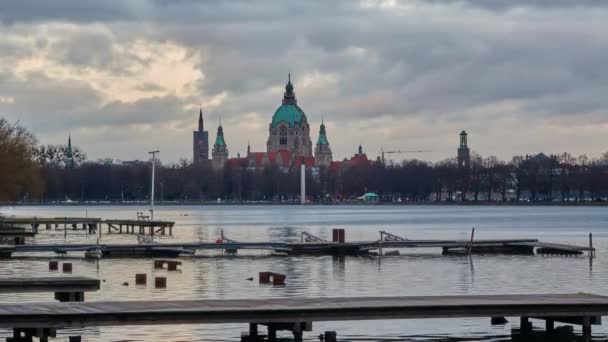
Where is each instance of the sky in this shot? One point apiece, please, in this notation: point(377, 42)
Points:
point(124, 77)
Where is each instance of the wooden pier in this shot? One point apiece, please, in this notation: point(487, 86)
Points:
point(139, 227)
point(66, 289)
point(142, 225)
point(298, 314)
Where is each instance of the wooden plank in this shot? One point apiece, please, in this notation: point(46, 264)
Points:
point(48, 284)
point(298, 310)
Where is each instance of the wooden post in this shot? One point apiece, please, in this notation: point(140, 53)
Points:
point(586, 328)
point(524, 326)
point(549, 326)
point(253, 330)
point(160, 282)
point(591, 251)
point(140, 279)
point(272, 333)
point(471, 243)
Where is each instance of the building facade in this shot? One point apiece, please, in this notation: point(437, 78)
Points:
point(288, 145)
point(323, 155)
point(200, 141)
point(219, 154)
point(289, 129)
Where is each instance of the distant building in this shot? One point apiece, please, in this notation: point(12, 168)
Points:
point(289, 129)
point(70, 161)
point(464, 155)
point(323, 155)
point(219, 154)
point(288, 145)
point(200, 141)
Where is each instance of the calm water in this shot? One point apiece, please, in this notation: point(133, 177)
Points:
point(415, 272)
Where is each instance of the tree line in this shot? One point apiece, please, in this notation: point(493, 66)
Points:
point(30, 172)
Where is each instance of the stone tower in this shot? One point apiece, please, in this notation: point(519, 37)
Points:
point(200, 141)
point(219, 154)
point(322, 150)
point(464, 155)
point(289, 129)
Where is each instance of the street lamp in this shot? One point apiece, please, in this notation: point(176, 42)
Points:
point(153, 153)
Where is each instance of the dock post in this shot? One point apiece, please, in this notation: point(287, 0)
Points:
point(549, 326)
point(471, 243)
point(586, 328)
point(591, 251)
point(253, 331)
point(524, 326)
point(272, 333)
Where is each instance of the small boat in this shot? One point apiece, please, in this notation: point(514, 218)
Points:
point(94, 253)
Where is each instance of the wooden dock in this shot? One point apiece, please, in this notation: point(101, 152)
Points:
point(66, 289)
point(48, 284)
point(91, 224)
point(297, 314)
point(139, 227)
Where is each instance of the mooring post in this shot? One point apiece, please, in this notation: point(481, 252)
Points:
point(253, 330)
point(272, 333)
point(524, 326)
point(591, 251)
point(471, 243)
point(586, 328)
point(549, 326)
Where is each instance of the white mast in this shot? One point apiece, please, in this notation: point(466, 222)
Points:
point(153, 153)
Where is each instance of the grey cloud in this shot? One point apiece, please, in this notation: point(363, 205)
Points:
point(439, 60)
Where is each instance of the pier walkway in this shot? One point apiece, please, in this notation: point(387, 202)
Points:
point(297, 314)
point(142, 225)
point(66, 289)
point(517, 246)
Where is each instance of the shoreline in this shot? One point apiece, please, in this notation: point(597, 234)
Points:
point(228, 203)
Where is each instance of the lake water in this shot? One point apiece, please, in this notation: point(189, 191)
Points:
point(414, 272)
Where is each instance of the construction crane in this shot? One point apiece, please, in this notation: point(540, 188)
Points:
point(399, 152)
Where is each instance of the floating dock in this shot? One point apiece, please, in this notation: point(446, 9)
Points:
point(519, 246)
point(298, 314)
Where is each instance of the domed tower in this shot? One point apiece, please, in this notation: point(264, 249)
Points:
point(289, 130)
point(219, 154)
point(322, 150)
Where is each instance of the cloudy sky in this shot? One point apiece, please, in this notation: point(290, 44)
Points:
point(124, 77)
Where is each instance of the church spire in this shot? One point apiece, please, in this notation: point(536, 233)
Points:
point(289, 98)
point(322, 135)
point(200, 120)
point(69, 153)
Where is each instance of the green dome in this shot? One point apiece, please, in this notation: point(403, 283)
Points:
point(290, 113)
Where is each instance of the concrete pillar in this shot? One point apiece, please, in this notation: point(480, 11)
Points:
point(302, 184)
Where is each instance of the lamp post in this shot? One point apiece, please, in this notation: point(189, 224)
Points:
point(153, 153)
